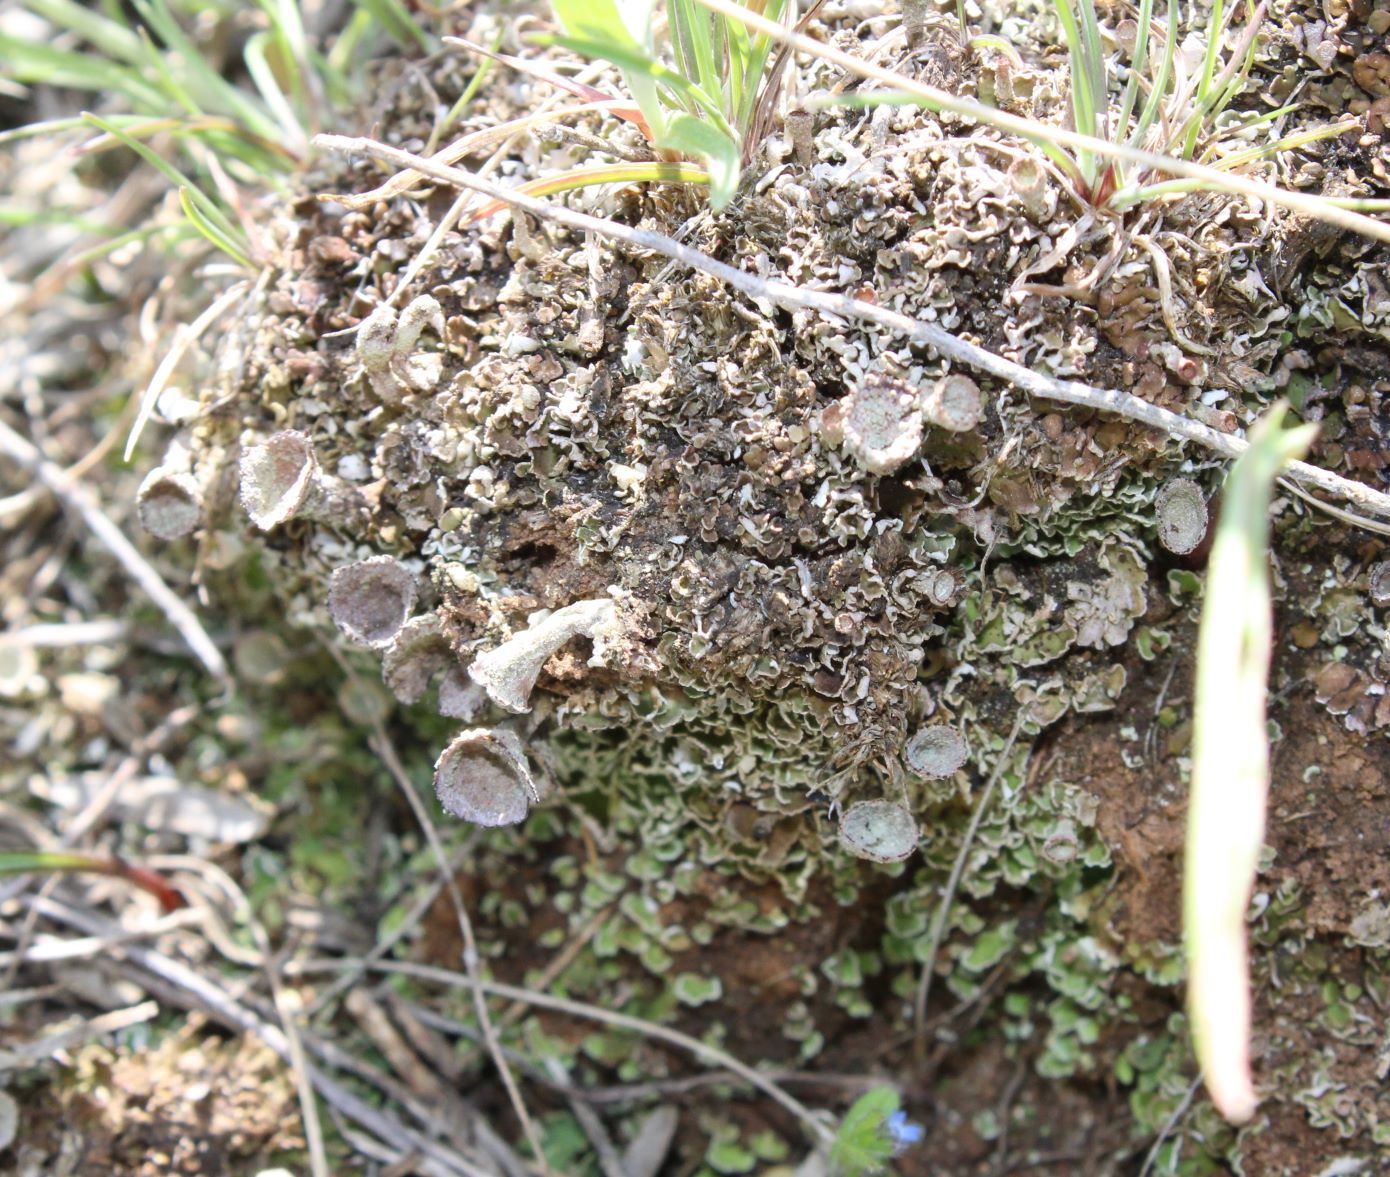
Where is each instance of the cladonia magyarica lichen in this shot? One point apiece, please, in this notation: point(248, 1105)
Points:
point(730, 576)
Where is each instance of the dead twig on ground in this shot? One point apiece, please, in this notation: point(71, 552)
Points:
point(77, 499)
point(710, 1055)
point(919, 1008)
point(381, 744)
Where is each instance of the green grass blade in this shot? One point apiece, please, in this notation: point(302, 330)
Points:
point(1164, 79)
point(1230, 765)
point(57, 126)
point(193, 210)
point(692, 136)
point(340, 58)
point(114, 39)
point(28, 61)
point(645, 172)
point(469, 93)
point(27, 862)
point(1139, 62)
point(1085, 95)
point(211, 217)
point(694, 46)
point(258, 65)
point(637, 66)
point(396, 21)
point(622, 37)
point(209, 89)
point(752, 68)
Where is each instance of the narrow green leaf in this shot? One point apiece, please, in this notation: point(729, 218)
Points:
point(30, 61)
point(200, 221)
point(225, 236)
point(638, 67)
point(258, 65)
point(114, 39)
point(398, 24)
point(210, 90)
point(690, 37)
point(1230, 765)
point(647, 171)
point(692, 136)
point(25, 862)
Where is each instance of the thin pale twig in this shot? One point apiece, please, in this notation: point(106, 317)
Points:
point(919, 1010)
point(838, 307)
point(711, 1055)
point(80, 501)
point(608, 1159)
point(186, 338)
point(25, 1054)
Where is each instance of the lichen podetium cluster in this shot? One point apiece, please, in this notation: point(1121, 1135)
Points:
point(699, 575)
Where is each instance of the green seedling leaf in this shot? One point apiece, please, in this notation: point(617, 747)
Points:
point(720, 154)
point(27, 862)
point(1230, 766)
point(624, 37)
point(870, 1135)
point(588, 177)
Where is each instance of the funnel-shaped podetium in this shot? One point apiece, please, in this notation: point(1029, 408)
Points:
point(881, 423)
point(882, 831)
point(954, 403)
point(386, 348)
point(482, 777)
point(935, 751)
point(277, 477)
point(1181, 509)
point(509, 672)
point(371, 600)
point(416, 654)
point(169, 503)
point(1378, 581)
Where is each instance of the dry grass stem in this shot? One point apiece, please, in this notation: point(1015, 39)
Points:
point(1223, 181)
point(191, 989)
point(26, 1054)
point(381, 743)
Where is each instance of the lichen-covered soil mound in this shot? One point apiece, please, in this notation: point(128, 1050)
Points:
point(724, 626)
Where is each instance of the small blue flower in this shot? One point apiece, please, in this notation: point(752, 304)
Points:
point(902, 1132)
